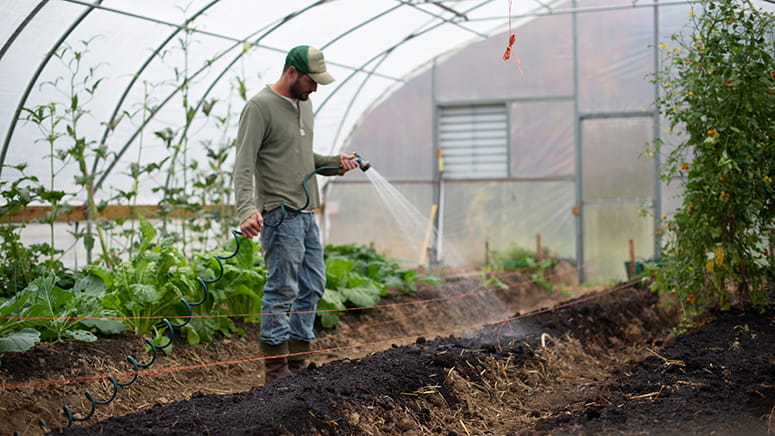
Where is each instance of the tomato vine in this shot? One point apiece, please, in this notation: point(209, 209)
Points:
point(718, 79)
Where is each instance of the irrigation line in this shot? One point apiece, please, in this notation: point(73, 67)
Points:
point(246, 315)
point(147, 371)
point(255, 358)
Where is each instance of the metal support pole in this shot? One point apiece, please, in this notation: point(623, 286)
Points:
point(579, 207)
point(657, 137)
point(437, 170)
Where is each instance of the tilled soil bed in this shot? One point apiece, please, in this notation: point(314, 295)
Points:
point(602, 363)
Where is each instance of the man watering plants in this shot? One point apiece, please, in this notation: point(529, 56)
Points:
point(276, 195)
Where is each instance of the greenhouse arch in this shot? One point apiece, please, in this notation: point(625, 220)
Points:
point(156, 91)
point(387, 217)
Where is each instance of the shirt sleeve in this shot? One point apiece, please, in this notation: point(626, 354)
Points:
point(249, 138)
point(327, 161)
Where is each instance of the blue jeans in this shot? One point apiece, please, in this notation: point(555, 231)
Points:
point(295, 276)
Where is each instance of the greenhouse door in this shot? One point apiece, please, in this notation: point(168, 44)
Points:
point(617, 189)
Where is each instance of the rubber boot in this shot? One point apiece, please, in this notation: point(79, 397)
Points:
point(275, 367)
point(298, 363)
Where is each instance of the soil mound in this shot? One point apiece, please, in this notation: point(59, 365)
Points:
point(411, 388)
point(606, 362)
point(718, 379)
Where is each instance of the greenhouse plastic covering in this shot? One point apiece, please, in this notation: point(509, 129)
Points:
point(576, 94)
point(158, 54)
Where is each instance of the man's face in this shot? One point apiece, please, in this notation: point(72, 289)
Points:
point(303, 86)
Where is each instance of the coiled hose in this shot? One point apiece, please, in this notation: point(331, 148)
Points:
point(154, 348)
point(285, 208)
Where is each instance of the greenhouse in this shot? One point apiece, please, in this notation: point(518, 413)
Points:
point(577, 145)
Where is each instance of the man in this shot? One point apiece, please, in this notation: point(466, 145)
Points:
point(274, 156)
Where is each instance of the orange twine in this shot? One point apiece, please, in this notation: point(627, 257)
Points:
point(512, 40)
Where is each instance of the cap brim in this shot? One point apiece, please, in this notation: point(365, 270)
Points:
point(322, 78)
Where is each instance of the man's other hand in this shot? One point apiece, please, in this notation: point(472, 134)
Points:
point(252, 225)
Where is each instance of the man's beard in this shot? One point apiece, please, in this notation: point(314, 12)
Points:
point(297, 92)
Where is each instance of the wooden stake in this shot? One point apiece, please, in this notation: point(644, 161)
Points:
point(539, 252)
point(486, 252)
point(428, 233)
point(632, 259)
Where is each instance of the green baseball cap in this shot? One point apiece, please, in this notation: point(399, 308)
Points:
point(308, 59)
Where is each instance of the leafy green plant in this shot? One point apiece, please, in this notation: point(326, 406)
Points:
point(148, 286)
point(55, 313)
point(22, 263)
point(78, 87)
point(718, 83)
point(128, 237)
point(240, 288)
point(522, 260)
point(490, 280)
point(80, 90)
point(236, 294)
point(357, 276)
point(46, 119)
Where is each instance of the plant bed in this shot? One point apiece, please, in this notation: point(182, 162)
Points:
point(605, 363)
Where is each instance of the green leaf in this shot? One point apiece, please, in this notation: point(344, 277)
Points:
point(192, 337)
point(244, 291)
point(432, 280)
point(329, 305)
point(354, 280)
point(46, 298)
point(207, 106)
point(329, 319)
point(81, 335)
point(104, 326)
point(242, 89)
point(334, 299)
point(365, 295)
point(148, 232)
point(393, 282)
point(244, 257)
point(19, 341)
point(103, 273)
point(142, 295)
point(204, 328)
point(91, 285)
point(337, 271)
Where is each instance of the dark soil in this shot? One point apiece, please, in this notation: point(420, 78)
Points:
point(718, 379)
point(603, 363)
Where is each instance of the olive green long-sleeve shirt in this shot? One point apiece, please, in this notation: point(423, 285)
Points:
point(274, 155)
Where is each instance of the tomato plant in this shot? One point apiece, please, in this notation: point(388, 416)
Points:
point(718, 80)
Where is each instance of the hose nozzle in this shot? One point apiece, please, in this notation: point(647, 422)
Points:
point(362, 163)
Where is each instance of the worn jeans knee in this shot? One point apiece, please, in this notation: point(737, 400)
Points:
point(295, 277)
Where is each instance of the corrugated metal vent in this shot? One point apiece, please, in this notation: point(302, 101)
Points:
point(475, 141)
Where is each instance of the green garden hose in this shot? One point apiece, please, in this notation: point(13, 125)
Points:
point(306, 194)
point(153, 347)
point(364, 165)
